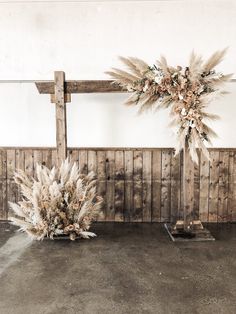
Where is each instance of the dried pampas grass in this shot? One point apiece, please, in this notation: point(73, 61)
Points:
point(60, 201)
point(187, 90)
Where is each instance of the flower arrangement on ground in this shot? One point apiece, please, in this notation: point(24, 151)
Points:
point(60, 201)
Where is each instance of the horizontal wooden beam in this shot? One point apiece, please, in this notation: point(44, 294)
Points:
point(83, 86)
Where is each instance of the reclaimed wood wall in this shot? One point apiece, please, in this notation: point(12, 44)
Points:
point(137, 184)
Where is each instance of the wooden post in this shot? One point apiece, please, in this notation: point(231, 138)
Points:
point(188, 187)
point(61, 132)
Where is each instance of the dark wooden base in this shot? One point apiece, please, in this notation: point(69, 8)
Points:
point(179, 235)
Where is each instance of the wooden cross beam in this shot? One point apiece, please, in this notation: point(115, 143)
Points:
point(60, 91)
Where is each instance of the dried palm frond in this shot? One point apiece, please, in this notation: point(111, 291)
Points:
point(59, 201)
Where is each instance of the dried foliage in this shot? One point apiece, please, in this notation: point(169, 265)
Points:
point(186, 90)
point(60, 201)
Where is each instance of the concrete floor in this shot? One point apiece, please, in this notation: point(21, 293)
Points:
point(129, 268)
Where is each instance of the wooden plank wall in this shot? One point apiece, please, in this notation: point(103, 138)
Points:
point(137, 184)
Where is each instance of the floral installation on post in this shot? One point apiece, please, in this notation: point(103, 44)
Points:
point(187, 90)
point(61, 201)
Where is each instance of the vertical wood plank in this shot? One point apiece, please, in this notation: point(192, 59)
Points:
point(4, 185)
point(188, 186)
point(119, 185)
point(47, 158)
point(223, 187)
point(101, 183)
point(196, 174)
point(233, 208)
point(175, 187)
point(136, 213)
point(129, 166)
point(147, 186)
point(156, 185)
point(214, 186)
point(20, 165)
point(232, 187)
point(83, 161)
point(11, 186)
point(92, 161)
point(110, 188)
point(54, 157)
point(73, 155)
point(165, 185)
point(29, 162)
point(204, 188)
point(61, 132)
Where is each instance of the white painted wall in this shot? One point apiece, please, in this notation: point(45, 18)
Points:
point(84, 39)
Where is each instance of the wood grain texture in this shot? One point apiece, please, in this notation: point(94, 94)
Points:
point(137, 210)
point(214, 186)
point(147, 186)
point(175, 187)
point(81, 86)
point(188, 186)
point(166, 185)
point(61, 132)
point(129, 167)
point(223, 187)
point(204, 188)
point(110, 186)
point(137, 184)
point(119, 185)
point(156, 185)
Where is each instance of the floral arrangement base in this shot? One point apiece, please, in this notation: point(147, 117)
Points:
point(194, 235)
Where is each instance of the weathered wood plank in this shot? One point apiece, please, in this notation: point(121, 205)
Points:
point(11, 186)
point(83, 161)
point(223, 187)
point(92, 161)
point(101, 186)
point(188, 186)
point(165, 185)
point(196, 193)
point(3, 185)
point(47, 158)
point(204, 188)
point(129, 184)
point(156, 185)
point(29, 162)
point(73, 155)
point(147, 186)
point(232, 187)
point(214, 186)
point(119, 185)
point(233, 209)
point(61, 132)
point(136, 212)
point(129, 166)
point(81, 86)
point(110, 188)
point(175, 187)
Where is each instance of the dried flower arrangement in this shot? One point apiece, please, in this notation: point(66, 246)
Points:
point(58, 202)
point(186, 90)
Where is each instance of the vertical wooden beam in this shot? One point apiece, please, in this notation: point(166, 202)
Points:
point(188, 187)
point(61, 133)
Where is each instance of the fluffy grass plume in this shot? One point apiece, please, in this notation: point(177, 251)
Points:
point(60, 201)
point(186, 90)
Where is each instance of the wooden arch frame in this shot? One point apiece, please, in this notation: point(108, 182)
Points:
point(61, 90)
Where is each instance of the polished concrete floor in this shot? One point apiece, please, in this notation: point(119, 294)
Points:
point(128, 268)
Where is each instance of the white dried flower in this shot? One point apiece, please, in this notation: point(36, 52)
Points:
point(183, 112)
